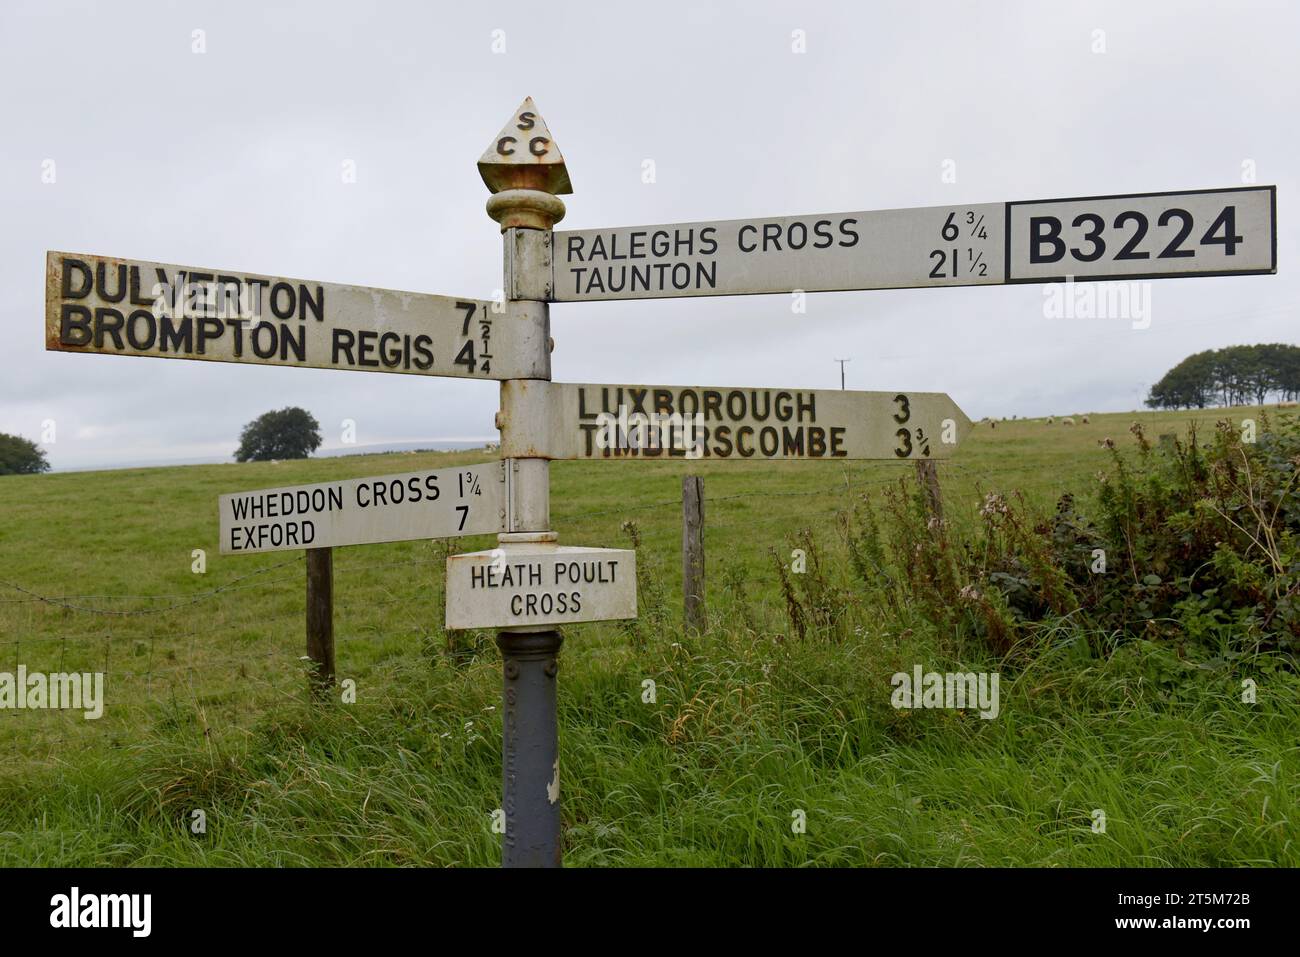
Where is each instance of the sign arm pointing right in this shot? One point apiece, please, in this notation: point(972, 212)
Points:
point(1216, 232)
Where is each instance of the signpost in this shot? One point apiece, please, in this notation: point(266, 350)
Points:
point(126, 307)
point(698, 422)
point(1218, 232)
point(446, 503)
point(524, 184)
point(529, 585)
point(540, 584)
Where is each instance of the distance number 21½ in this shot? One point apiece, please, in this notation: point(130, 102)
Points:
point(948, 262)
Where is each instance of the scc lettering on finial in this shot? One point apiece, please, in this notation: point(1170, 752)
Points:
point(537, 146)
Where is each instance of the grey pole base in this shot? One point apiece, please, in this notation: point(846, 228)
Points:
point(530, 750)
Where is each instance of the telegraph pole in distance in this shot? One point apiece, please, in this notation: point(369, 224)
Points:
point(841, 362)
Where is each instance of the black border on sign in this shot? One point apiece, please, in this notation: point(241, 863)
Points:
point(1272, 215)
point(1006, 239)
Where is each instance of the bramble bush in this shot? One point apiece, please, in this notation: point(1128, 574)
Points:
point(1199, 539)
point(1189, 546)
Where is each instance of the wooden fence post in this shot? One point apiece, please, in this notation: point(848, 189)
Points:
point(927, 476)
point(320, 620)
point(693, 551)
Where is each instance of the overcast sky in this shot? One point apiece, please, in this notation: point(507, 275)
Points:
point(231, 159)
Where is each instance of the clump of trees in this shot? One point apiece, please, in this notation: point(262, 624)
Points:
point(1237, 375)
point(289, 433)
point(20, 456)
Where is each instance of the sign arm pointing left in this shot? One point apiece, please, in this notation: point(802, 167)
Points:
point(128, 307)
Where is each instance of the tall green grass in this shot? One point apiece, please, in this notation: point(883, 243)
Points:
point(749, 723)
point(745, 731)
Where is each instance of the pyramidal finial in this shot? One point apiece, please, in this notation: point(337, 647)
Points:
point(524, 155)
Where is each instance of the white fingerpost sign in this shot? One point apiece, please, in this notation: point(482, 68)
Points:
point(525, 584)
point(1217, 232)
point(652, 422)
point(127, 307)
point(445, 503)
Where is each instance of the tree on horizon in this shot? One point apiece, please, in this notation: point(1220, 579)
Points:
point(20, 456)
point(1236, 375)
point(288, 433)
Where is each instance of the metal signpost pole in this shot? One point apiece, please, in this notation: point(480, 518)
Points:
point(524, 170)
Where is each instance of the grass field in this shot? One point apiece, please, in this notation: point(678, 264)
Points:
point(206, 707)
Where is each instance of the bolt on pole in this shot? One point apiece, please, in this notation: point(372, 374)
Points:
point(524, 170)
